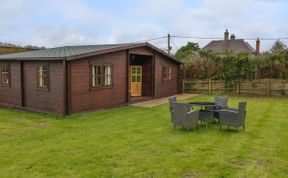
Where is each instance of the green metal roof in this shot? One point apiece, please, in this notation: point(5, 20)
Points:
point(61, 52)
point(77, 52)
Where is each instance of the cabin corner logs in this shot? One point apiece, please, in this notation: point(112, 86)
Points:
point(260, 87)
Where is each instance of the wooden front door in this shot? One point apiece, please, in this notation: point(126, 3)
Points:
point(136, 80)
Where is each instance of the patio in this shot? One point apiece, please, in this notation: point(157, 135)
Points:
point(156, 102)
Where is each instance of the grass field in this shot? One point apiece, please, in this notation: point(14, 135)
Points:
point(7, 50)
point(140, 142)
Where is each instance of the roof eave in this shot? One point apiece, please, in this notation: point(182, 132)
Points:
point(33, 58)
point(90, 54)
point(130, 46)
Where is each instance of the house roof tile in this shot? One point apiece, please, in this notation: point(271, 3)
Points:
point(237, 45)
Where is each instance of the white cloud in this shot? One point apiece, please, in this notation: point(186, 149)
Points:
point(55, 36)
point(158, 8)
point(11, 5)
point(246, 18)
point(70, 22)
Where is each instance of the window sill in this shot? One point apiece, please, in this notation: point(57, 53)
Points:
point(43, 89)
point(5, 85)
point(102, 88)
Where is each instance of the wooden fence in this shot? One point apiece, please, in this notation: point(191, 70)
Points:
point(264, 87)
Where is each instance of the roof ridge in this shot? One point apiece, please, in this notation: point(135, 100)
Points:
point(237, 45)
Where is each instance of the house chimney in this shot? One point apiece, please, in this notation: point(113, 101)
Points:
point(226, 35)
point(232, 37)
point(257, 46)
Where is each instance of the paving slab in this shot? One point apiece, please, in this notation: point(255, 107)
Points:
point(156, 102)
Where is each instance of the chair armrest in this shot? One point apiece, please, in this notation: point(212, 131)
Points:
point(194, 115)
point(226, 116)
point(232, 109)
point(228, 111)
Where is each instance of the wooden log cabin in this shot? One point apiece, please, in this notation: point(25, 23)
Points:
point(72, 79)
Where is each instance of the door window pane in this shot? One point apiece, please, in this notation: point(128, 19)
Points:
point(138, 78)
point(134, 78)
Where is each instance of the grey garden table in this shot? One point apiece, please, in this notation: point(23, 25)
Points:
point(201, 104)
point(204, 115)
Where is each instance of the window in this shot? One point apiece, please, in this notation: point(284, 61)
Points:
point(43, 76)
point(166, 75)
point(101, 76)
point(5, 74)
point(136, 74)
point(96, 76)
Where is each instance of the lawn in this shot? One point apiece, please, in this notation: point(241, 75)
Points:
point(140, 142)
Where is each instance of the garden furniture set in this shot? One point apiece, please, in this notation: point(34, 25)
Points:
point(187, 115)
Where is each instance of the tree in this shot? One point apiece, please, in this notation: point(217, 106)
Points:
point(188, 50)
point(278, 46)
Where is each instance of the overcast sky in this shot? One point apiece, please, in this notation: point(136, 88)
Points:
point(73, 22)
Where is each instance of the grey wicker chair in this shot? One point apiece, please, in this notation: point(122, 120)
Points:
point(220, 103)
point(233, 117)
point(172, 99)
point(183, 116)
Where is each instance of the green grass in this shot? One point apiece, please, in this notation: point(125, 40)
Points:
point(8, 50)
point(140, 142)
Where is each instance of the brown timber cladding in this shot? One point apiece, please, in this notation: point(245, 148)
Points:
point(80, 96)
point(165, 87)
point(40, 99)
point(84, 98)
point(34, 98)
point(11, 96)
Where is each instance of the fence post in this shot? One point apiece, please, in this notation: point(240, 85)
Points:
point(268, 87)
point(238, 87)
point(183, 86)
point(210, 86)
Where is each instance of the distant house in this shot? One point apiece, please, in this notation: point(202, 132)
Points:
point(73, 79)
point(232, 44)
